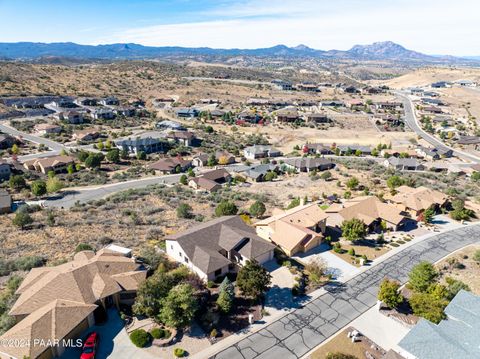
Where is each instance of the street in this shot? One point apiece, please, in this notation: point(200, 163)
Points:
point(302, 330)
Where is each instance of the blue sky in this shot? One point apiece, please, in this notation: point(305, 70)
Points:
point(430, 26)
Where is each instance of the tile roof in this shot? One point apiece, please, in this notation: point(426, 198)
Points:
point(369, 209)
point(419, 198)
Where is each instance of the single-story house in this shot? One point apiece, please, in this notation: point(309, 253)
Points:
point(126, 111)
point(260, 151)
point(72, 117)
point(432, 109)
point(417, 91)
point(222, 158)
point(257, 173)
point(170, 165)
point(185, 138)
point(403, 164)
point(416, 200)
point(317, 148)
point(352, 149)
point(88, 134)
point(318, 117)
point(142, 144)
point(454, 337)
point(354, 103)
point(5, 202)
point(307, 164)
point(472, 141)
point(210, 181)
point(218, 247)
point(103, 113)
point(434, 153)
point(296, 230)
point(47, 128)
point(388, 106)
point(187, 113)
point(332, 104)
point(110, 101)
point(6, 141)
point(56, 164)
point(287, 115)
point(170, 125)
point(63, 301)
point(89, 102)
point(5, 170)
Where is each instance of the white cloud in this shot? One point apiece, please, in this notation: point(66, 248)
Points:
point(436, 27)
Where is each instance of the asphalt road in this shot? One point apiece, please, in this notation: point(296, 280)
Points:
point(70, 197)
point(297, 333)
point(412, 122)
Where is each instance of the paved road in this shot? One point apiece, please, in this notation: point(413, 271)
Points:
point(88, 194)
point(32, 138)
point(297, 333)
point(412, 122)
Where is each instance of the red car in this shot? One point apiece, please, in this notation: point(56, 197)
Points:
point(90, 346)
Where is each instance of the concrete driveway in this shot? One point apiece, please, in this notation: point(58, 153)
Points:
point(279, 297)
point(113, 341)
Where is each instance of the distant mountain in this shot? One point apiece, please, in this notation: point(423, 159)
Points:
point(376, 51)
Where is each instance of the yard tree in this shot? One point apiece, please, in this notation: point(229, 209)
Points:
point(352, 183)
point(124, 154)
point(183, 180)
point(83, 155)
point(54, 185)
point(212, 161)
point(184, 210)
point(422, 276)
point(326, 176)
point(294, 203)
point(39, 188)
point(93, 160)
point(253, 280)
point(223, 160)
point(270, 176)
point(70, 169)
point(226, 295)
point(427, 306)
point(428, 214)
point(100, 145)
point(108, 145)
point(395, 181)
point(190, 172)
point(454, 286)
point(389, 294)
point(257, 209)
point(226, 208)
point(354, 229)
point(15, 149)
point(17, 182)
point(179, 306)
point(141, 155)
point(475, 176)
point(460, 213)
point(113, 155)
point(316, 269)
point(22, 219)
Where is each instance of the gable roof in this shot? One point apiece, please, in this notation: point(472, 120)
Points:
point(419, 198)
point(308, 162)
point(202, 243)
point(369, 209)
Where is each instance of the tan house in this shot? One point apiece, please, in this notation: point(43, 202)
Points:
point(56, 164)
point(88, 134)
point(416, 200)
point(296, 230)
point(61, 302)
point(46, 129)
point(368, 209)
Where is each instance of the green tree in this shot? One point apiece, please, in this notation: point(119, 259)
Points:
point(226, 295)
point(394, 182)
point(270, 176)
point(212, 161)
point(475, 176)
point(253, 280)
point(17, 182)
point(39, 188)
point(179, 306)
point(454, 286)
point(354, 229)
point(184, 210)
point(422, 276)
point(15, 149)
point(54, 185)
point(113, 156)
point(83, 247)
point(22, 219)
point(294, 203)
point(183, 180)
point(226, 208)
point(100, 145)
point(141, 155)
point(257, 209)
point(428, 215)
point(190, 172)
point(326, 176)
point(70, 169)
point(389, 293)
point(427, 306)
point(94, 160)
point(352, 183)
point(82, 156)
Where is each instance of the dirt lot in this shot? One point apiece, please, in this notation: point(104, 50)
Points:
point(452, 266)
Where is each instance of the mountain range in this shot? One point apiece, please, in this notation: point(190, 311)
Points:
point(386, 50)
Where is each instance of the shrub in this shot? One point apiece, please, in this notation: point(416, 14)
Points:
point(159, 333)
point(389, 294)
point(340, 356)
point(213, 333)
point(184, 210)
point(351, 252)
point(476, 256)
point(257, 209)
point(179, 352)
point(83, 247)
point(226, 208)
point(140, 338)
point(422, 276)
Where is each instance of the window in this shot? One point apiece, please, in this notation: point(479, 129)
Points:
point(186, 260)
point(171, 246)
point(218, 272)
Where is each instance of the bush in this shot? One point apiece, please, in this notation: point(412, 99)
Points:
point(257, 209)
point(476, 256)
point(184, 210)
point(213, 333)
point(422, 276)
point(83, 247)
point(389, 293)
point(140, 338)
point(340, 356)
point(226, 208)
point(351, 252)
point(159, 333)
point(179, 352)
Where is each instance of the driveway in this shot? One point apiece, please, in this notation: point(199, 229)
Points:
point(279, 297)
point(113, 341)
point(340, 269)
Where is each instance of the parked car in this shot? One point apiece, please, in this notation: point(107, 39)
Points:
point(90, 346)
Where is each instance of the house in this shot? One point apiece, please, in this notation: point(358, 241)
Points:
point(432, 101)
point(440, 84)
point(126, 111)
point(170, 125)
point(417, 91)
point(432, 109)
point(307, 87)
point(257, 173)
point(388, 106)
point(283, 85)
point(187, 113)
point(430, 94)
point(416, 200)
point(403, 164)
point(434, 153)
point(217, 113)
point(454, 337)
point(289, 114)
point(308, 164)
point(88, 134)
point(350, 89)
point(5, 170)
point(185, 138)
point(466, 83)
point(56, 164)
point(471, 141)
point(317, 118)
point(369, 90)
point(103, 114)
point(399, 152)
point(218, 247)
point(296, 230)
point(61, 302)
point(317, 148)
point(6, 141)
point(260, 151)
point(64, 103)
point(210, 181)
point(249, 116)
point(354, 103)
point(89, 102)
point(110, 101)
point(370, 210)
point(5, 202)
point(352, 149)
point(170, 165)
point(142, 144)
point(72, 117)
point(45, 129)
point(222, 158)
point(332, 104)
